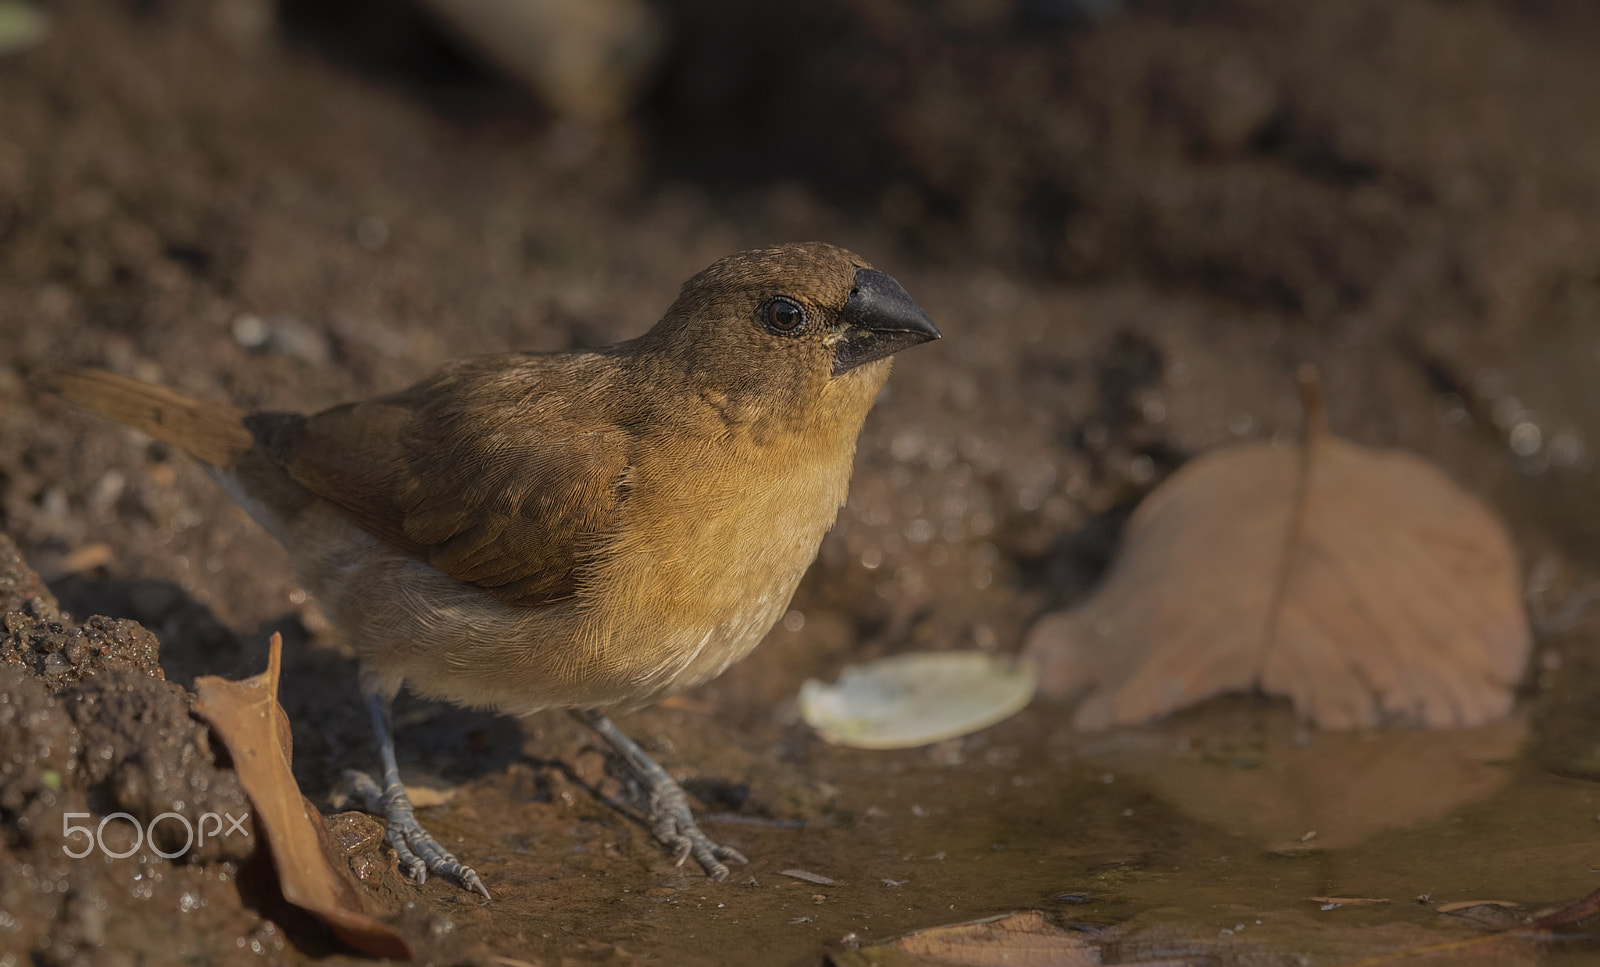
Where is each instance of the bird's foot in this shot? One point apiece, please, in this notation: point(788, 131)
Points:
point(673, 823)
point(669, 816)
point(420, 854)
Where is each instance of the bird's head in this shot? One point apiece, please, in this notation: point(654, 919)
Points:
point(801, 324)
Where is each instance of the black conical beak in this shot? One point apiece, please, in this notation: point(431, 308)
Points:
point(879, 320)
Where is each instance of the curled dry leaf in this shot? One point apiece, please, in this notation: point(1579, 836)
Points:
point(1363, 585)
point(248, 719)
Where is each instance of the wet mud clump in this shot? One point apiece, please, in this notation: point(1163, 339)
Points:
point(94, 742)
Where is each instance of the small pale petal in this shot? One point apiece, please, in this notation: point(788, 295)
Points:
point(916, 699)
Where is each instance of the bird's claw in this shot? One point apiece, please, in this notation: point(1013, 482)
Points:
point(419, 853)
point(684, 846)
point(673, 824)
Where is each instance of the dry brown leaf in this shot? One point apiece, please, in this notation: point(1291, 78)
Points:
point(1514, 944)
point(87, 558)
point(247, 717)
point(1023, 939)
point(1362, 584)
point(1460, 905)
point(427, 797)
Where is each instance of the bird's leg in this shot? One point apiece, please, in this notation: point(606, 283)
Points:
point(669, 816)
point(420, 854)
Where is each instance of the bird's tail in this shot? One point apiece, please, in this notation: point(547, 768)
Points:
point(213, 432)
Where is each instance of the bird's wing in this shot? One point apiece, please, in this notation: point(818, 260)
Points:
point(495, 476)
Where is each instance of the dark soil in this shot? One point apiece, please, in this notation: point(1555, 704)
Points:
point(1131, 230)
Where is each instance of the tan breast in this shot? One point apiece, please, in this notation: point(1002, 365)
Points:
point(676, 603)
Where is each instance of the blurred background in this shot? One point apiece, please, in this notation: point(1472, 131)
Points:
point(1132, 219)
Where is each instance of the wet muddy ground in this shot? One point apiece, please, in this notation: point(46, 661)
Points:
point(1131, 232)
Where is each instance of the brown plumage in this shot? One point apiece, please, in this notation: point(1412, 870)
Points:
point(570, 530)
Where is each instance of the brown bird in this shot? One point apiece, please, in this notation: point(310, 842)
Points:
point(577, 530)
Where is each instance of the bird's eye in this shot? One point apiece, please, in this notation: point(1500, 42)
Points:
point(782, 315)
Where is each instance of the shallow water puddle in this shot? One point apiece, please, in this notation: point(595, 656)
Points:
point(1229, 833)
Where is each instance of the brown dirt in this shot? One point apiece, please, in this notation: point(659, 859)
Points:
point(1131, 232)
